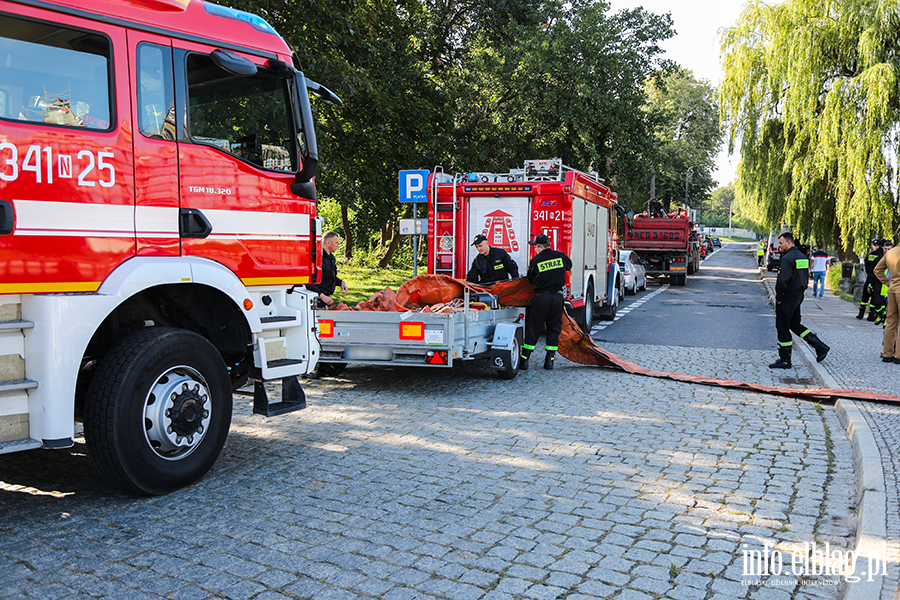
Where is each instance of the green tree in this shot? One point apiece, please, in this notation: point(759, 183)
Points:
point(565, 85)
point(684, 116)
point(812, 96)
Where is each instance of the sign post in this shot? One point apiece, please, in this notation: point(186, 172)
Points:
point(413, 191)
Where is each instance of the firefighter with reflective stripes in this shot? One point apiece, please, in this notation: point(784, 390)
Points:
point(793, 279)
point(547, 273)
point(871, 299)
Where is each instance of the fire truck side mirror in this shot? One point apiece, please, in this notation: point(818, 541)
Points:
point(322, 92)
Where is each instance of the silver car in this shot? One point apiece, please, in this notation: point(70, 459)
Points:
point(632, 266)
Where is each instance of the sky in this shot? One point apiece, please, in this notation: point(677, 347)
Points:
point(696, 47)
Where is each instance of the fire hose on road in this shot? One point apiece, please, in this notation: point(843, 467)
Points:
point(425, 291)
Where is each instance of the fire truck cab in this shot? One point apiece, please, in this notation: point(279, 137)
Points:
point(576, 210)
point(157, 210)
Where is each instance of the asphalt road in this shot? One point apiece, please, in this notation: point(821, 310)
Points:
point(723, 305)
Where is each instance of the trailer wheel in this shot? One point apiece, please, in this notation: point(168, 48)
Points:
point(511, 363)
point(158, 410)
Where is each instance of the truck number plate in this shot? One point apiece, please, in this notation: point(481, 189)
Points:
point(655, 235)
point(367, 353)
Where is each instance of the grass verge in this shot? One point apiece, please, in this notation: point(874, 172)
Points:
point(363, 281)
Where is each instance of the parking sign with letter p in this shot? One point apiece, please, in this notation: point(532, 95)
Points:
point(412, 186)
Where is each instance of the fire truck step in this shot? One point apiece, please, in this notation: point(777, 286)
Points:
point(292, 398)
point(283, 362)
point(17, 445)
point(17, 384)
point(277, 319)
point(18, 324)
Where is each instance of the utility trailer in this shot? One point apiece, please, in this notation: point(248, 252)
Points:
point(425, 339)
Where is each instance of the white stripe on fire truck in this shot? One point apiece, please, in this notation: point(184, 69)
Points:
point(49, 218)
point(248, 224)
point(35, 217)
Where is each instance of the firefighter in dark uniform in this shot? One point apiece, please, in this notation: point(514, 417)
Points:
point(491, 264)
point(793, 279)
point(871, 298)
point(330, 279)
point(547, 272)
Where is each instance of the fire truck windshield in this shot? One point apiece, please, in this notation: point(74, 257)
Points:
point(248, 117)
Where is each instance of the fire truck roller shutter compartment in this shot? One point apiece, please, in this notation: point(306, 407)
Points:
point(578, 247)
point(504, 222)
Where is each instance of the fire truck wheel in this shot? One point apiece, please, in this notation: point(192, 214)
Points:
point(587, 312)
point(158, 410)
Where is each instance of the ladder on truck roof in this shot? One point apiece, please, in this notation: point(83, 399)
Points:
point(441, 180)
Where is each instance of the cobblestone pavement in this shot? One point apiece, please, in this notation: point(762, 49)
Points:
point(854, 362)
point(419, 483)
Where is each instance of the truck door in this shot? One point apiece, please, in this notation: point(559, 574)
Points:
point(237, 159)
point(155, 147)
point(504, 221)
point(66, 183)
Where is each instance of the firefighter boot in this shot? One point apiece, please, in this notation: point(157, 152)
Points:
point(784, 358)
point(862, 311)
point(819, 346)
point(549, 359)
point(523, 360)
point(873, 314)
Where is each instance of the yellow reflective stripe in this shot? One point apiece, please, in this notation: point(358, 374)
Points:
point(249, 281)
point(49, 288)
point(802, 263)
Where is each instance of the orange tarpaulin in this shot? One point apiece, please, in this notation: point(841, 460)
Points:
point(420, 293)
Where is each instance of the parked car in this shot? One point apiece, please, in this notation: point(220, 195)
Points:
point(632, 266)
point(717, 242)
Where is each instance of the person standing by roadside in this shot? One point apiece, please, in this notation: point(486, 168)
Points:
point(890, 264)
point(818, 270)
point(761, 252)
point(491, 264)
point(887, 245)
point(870, 298)
point(793, 279)
point(330, 280)
point(547, 272)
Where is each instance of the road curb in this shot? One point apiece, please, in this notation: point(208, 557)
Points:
point(871, 518)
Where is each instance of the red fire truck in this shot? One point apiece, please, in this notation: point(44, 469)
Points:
point(157, 208)
point(574, 209)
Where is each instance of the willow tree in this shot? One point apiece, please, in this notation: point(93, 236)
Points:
point(811, 95)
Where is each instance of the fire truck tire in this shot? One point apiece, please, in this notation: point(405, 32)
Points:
point(511, 362)
point(587, 311)
point(158, 410)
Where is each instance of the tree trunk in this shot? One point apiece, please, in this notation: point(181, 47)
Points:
point(387, 233)
point(348, 233)
point(392, 247)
